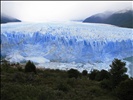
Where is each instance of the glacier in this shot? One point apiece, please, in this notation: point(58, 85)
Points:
point(66, 43)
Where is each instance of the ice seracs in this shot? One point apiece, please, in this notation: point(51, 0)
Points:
point(67, 42)
point(88, 44)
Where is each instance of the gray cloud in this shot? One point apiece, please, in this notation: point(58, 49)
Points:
point(59, 10)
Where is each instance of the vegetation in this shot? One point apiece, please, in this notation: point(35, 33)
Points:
point(30, 67)
point(117, 72)
point(84, 72)
point(18, 83)
point(125, 90)
point(73, 73)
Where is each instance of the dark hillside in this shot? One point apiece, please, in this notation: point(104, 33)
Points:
point(121, 19)
point(7, 19)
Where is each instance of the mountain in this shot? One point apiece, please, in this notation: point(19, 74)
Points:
point(80, 20)
point(7, 19)
point(120, 18)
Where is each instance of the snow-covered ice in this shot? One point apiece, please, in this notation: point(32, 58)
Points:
point(65, 43)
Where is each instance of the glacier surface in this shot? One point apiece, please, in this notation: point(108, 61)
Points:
point(68, 42)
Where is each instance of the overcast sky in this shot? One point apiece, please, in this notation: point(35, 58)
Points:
point(60, 10)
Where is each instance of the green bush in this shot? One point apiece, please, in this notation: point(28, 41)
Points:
point(30, 77)
point(125, 90)
point(5, 65)
point(62, 86)
point(71, 82)
point(95, 91)
point(106, 84)
point(18, 77)
point(18, 66)
point(46, 95)
point(73, 73)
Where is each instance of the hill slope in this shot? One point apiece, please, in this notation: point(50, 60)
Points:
point(122, 19)
point(7, 19)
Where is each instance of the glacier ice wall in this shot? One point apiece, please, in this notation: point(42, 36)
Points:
point(66, 42)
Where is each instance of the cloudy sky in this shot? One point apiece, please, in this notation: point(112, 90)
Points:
point(59, 10)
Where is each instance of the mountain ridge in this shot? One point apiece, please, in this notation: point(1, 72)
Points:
point(120, 18)
point(7, 19)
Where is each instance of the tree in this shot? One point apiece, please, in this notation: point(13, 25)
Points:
point(84, 72)
point(5, 65)
point(73, 73)
point(103, 74)
point(117, 72)
point(30, 67)
point(92, 74)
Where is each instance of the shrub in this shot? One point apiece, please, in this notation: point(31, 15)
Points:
point(5, 65)
point(62, 86)
point(71, 82)
point(106, 84)
point(95, 91)
point(18, 77)
point(19, 67)
point(30, 67)
point(73, 73)
point(30, 77)
point(125, 90)
point(46, 95)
